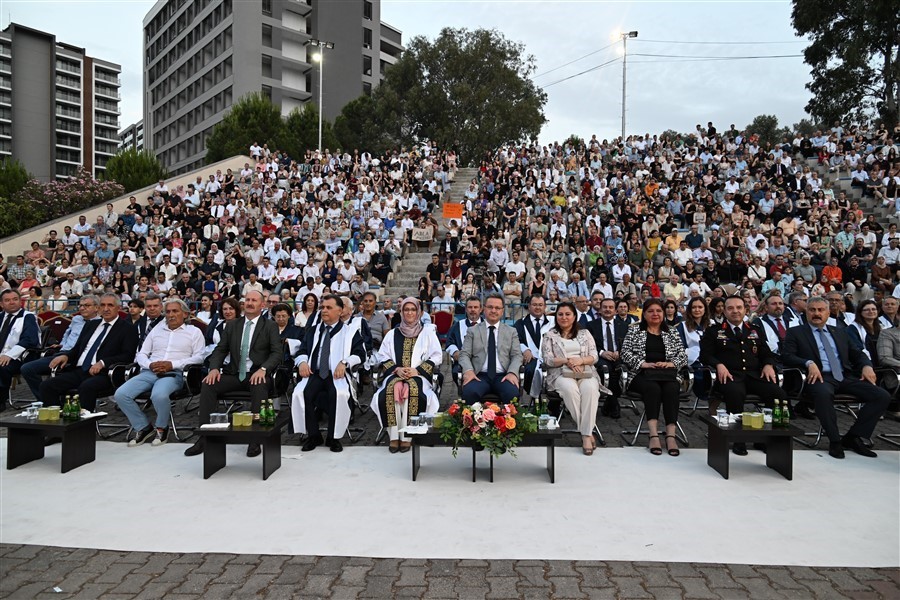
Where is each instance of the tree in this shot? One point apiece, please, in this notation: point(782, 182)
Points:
point(357, 127)
point(134, 169)
point(854, 58)
point(301, 131)
point(469, 90)
point(807, 127)
point(251, 119)
point(766, 127)
point(13, 177)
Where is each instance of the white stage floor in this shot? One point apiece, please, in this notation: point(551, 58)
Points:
point(620, 504)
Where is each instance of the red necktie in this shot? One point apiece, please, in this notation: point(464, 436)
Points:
point(781, 330)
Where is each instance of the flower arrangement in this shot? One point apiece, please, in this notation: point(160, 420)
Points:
point(497, 428)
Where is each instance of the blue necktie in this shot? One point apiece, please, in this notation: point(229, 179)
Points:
point(89, 358)
point(836, 371)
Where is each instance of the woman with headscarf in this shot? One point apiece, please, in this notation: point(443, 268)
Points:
point(409, 355)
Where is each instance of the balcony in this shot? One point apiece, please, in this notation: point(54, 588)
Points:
point(68, 113)
point(69, 82)
point(62, 96)
point(108, 78)
point(107, 93)
point(109, 108)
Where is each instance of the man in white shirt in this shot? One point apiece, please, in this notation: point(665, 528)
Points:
point(166, 352)
point(602, 286)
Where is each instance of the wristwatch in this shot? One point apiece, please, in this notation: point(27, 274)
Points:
point(263, 369)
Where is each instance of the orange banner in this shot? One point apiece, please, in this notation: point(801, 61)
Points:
point(453, 210)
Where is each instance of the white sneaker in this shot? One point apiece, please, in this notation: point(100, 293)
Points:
point(162, 436)
point(141, 436)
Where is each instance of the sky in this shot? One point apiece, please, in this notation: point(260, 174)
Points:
point(675, 91)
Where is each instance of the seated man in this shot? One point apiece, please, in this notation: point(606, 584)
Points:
point(491, 356)
point(18, 333)
point(609, 333)
point(743, 362)
point(889, 359)
point(102, 343)
point(457, 334)
point(834, 365)
point(531, 329)
point(254, 350)
point(33, 372)
point(168, 349)
point(327, 354)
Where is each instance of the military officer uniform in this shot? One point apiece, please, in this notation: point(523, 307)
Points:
point(744, 352)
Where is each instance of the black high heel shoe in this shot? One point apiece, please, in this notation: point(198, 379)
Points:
point(673, 451)
point(655, 451)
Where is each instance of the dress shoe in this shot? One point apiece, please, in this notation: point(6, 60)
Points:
point(196, 449)
point(253, 450)
point(836, 450)
point(394, 447)
point(335, 446)
point(312, 443)
point(739, 448)
point(856, 444)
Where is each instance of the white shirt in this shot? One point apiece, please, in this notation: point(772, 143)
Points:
point(101, 330)
point(252, 323)
point(484, 368)
point(183, 346)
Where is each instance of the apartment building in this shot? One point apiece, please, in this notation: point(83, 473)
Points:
point(132, 137)
point(201, 56)
point(59, 107)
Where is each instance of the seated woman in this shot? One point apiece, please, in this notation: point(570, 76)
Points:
point(655, 355)
point(570, 353)
point(409, 355)
point(865, 329)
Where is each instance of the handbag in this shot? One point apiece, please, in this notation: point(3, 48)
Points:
point(659, 374)
point(569, 373)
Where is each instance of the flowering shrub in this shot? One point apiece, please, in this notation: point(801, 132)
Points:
point(38, 202)
point(490, 425)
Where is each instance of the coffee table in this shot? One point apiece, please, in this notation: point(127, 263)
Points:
point(26, 440)
point(541, 439)
point(216, 440)
point(778, 441)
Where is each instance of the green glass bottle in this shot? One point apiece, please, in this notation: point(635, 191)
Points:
point(76, 408)
point(786, 414)
point(67, 409)
point(776, 415)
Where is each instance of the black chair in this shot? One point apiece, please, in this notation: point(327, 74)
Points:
point(894, 389)
point(684, 395)
point(842, 402)
point(193, 376)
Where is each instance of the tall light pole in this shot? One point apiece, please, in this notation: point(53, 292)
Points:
point(625, 35)
point(319, 57)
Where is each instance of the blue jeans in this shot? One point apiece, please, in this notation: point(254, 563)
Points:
point(160, 389)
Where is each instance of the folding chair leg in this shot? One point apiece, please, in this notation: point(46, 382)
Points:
point(636, 432)
point(814, 444)
point(683, 437)
point(381, 435)
point(599, 436)
point(890, 438)
point(694, 407)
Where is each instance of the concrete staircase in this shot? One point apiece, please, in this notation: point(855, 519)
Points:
point(884, 215)
point(405, 278)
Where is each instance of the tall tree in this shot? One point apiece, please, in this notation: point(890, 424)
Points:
point(358, 126)
point(470, 90)
point(301, 131)
point(854, 58)
point(134, 169)
point(766, 127)
point(13, 177)
point(253, 118)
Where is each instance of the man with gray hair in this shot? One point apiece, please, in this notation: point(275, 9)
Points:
point(168, 349)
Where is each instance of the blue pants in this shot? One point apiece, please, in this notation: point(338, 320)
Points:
point(160, 389)
point(476, 389)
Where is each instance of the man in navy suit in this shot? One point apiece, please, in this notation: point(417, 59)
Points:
point(457, 334)
point(102, 343)
point(18, 332)
point(531, 329)
point(609, 333)
point(835, 366)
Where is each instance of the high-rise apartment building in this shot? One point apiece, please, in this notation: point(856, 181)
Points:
point(132, 137)
point(201, 56)
point(59, 107)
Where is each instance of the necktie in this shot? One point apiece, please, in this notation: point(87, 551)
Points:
point(737, 332)
point(836, 371)
point(7, 327)
point(492, 352)
point(245, 351)
point(610, 344)
point(583, 320)
point(325, 352)
point(89, 357)
point(781, 329)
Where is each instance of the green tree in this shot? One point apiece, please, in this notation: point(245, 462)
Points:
point(251, 119)
point(13, 177)
point(358, 127)
point(134, 169)
point(766, 127)
point(854, 58)
point(301, 131)
point(807, 127)
point(470, 90)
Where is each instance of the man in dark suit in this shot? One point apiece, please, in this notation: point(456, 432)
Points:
point(102, 343)
point(609, 333)
point(743, 362)
point(491, 356)
point(531, 329)
point(151, 318)
point(255, 350)
point(457, 334)
point(835, 366)
point(18, 332)
point(327, 355)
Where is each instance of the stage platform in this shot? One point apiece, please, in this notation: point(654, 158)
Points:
point(622, 504)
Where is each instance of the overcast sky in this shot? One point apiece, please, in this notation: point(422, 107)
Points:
point(669, 92)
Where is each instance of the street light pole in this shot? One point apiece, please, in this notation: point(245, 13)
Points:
point(625, 36)
point(320, 57)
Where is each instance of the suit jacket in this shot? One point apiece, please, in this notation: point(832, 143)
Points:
point(800, 347)
point(456, 336)
point(144, 325)
point(749, 354)
point(597, 329)
point(473, 355)
point(525, 330)
point(119, 346)
point(266, 349)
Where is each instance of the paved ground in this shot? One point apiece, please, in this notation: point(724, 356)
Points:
point(34, 572)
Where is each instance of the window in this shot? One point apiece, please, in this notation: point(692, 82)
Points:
point(367, 37)
point(266, 66)
point(367, 10)
point(267, 7)
point(267, 36)
point(367, 65)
